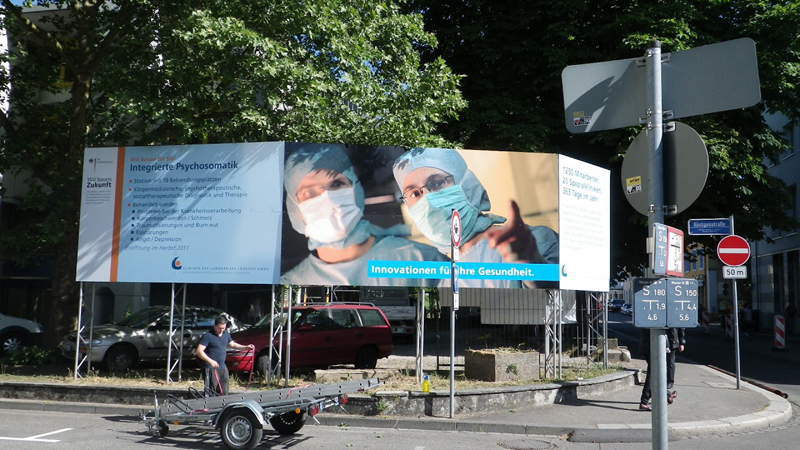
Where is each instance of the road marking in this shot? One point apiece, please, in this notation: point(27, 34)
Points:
point(419, 448)
point(37, 437)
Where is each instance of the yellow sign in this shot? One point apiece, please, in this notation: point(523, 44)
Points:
point(633, 184)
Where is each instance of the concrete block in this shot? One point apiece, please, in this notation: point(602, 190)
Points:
point(495, 365)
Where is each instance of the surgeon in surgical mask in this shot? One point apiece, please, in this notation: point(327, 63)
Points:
point(434, 181)
point(325, 202)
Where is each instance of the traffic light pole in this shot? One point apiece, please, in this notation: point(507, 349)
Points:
point(658, 337)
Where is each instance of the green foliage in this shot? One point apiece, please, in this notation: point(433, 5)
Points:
point(32, 356)
point(192, 72)
point(146, 72)
point(512, 54)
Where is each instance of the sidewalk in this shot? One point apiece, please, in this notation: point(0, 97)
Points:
point(708, 403)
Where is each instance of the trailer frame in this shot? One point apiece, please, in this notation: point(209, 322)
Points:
point(241, 417)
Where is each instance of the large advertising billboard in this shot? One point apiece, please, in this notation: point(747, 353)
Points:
point(333, 214)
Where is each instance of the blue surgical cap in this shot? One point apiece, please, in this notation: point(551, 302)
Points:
point(308, 158)
point(448, 160)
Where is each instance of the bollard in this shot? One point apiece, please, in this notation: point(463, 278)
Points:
point(704, 320)
point(780, 332)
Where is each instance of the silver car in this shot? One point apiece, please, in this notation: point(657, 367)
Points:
point(144, 336)
point(16, 333)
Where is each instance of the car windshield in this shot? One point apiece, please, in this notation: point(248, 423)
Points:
point(141, 318)
point(264, 321)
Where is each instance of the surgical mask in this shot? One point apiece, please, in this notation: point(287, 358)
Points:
point(332, 215)
point(433, 213)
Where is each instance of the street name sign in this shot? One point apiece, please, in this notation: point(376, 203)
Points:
point(733, 250)
point(707, 227)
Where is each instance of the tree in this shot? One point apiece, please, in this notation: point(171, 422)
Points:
point(512, 54)
point(139, 72)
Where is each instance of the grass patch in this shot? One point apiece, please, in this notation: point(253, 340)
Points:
point(148, 376)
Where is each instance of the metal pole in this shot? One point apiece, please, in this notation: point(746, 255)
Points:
point(288, 354)
point(420, 333)
point(78, 336)
point(171, 331)
point(452, 332)
point(271, 338)
point(736, 326)
point(658, 337)
point(605, 330)
point(183, 329)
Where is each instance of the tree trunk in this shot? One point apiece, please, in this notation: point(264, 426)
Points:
point(65, 298)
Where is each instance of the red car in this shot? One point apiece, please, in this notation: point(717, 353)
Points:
point(322, 335)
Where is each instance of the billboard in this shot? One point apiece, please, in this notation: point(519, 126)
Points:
point(334, 214)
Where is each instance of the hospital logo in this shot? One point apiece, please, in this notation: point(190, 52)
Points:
point(176, 264)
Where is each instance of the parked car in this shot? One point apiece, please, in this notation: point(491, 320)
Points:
point(322, 335)
point(615, 305)
point(16, 333)
point(627, 309)
point(144, 336)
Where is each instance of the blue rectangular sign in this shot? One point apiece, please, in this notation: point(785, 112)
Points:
point(650, 303)
point(682, 302)
point(709, 226)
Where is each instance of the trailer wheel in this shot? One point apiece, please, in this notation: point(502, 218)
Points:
point(162, 429)
point(241, 430)
point(288, 423)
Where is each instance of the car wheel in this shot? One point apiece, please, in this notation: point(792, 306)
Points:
point(11, 342)
point(262, 363)
point(367, 358)
point(120, 358)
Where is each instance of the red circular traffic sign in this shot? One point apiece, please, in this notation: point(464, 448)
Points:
point(455, 228)
point(733, 250)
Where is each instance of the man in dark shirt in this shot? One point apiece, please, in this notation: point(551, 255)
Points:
point(212, 349)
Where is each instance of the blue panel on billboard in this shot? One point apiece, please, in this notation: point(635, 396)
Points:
point(649, 303)
point(682, 302)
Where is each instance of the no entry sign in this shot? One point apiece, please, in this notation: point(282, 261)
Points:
point(733, 250)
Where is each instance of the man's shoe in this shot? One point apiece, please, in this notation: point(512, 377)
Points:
point(671, 397)
point(645, 407)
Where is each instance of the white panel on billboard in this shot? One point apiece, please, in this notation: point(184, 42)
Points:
point(584, 225)
point(185, 214)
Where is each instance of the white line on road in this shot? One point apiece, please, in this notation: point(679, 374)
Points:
point(419, 448)
point(36, 438)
